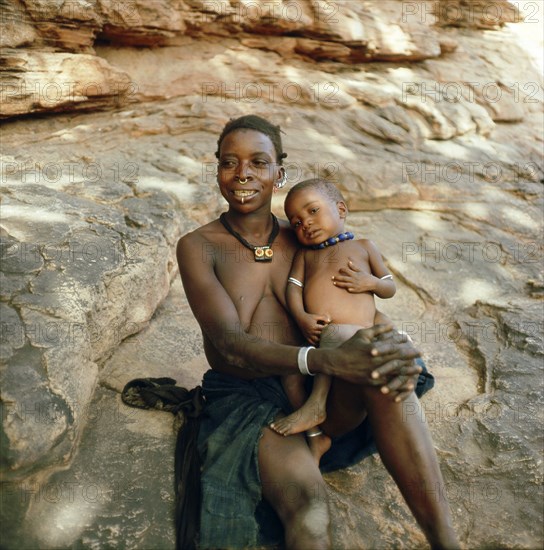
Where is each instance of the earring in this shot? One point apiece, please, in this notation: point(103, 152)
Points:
point(282, 182)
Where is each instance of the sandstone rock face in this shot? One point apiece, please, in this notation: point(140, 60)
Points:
point(428, 116)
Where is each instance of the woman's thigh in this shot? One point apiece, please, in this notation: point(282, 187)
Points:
point(290, 477)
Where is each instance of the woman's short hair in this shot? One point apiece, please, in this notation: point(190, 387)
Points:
point(254, 122)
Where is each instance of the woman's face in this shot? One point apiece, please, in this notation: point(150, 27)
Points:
point(248, 155)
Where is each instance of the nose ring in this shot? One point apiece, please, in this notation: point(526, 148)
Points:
point(242, 182)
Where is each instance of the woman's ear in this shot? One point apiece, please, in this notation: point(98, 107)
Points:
point(282, 179)
point(342, 209)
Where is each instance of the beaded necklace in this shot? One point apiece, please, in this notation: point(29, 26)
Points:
point(347, 236)
point(260, 253)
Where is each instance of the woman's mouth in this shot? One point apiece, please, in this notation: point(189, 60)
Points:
point(244, 195)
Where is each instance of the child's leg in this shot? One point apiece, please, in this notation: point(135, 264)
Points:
point(310, 412)
point(382, 319)
point(293, 384)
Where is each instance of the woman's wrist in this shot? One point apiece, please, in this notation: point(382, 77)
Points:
point(318, 361)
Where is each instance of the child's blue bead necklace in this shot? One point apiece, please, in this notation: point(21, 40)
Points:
point(347, 236)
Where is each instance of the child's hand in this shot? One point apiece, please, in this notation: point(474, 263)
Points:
point(312, 326)
point(354, 280)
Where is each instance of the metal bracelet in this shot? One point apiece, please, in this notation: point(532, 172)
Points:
point(302, 360)
point(295, 282)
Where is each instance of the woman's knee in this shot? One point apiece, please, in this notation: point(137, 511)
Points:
point(308, 526)
point(303, 500)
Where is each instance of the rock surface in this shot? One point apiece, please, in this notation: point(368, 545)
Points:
point(428, 115)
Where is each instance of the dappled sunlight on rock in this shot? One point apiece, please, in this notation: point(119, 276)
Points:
point(65, 514)
point(424, 220)
point(476, 210)
point(473, 290)
point(517, 217)
point(30, 213)
point(531, 33)
point(395, 39)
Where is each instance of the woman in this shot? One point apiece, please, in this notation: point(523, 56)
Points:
point(234, 271)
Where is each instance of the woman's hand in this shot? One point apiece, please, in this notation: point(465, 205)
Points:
point(400, 387)
point(398, 378)
point(378, 356)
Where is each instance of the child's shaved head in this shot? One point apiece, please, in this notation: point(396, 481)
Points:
point(325, 187)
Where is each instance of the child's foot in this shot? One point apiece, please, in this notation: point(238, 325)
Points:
point(309, 415)
point(318, 442)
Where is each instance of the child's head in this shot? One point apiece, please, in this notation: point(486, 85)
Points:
point(316, 210)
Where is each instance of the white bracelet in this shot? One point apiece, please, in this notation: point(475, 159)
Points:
point(386, 277)
point(295, 282)
point(408, 337)
point(302, 360)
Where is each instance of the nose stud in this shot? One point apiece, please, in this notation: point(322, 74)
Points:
point(242, 182)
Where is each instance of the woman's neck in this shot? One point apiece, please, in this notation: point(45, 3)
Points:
point(254, 223)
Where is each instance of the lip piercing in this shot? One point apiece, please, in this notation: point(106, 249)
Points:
point(242, 182)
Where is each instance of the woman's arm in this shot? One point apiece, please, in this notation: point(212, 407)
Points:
point(219, 320)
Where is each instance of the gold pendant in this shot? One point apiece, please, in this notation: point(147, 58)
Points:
point(263, 254)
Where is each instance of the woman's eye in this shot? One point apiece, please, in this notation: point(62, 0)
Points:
point(227, 164)
point(260, 163)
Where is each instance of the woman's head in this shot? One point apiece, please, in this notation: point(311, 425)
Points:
point(259, 124)
point(250, 154)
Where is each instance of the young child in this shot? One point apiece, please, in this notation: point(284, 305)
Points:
point(322, 304)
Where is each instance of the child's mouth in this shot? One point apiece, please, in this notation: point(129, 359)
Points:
point(313, 234)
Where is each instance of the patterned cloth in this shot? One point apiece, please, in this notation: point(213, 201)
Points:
point(233, 513)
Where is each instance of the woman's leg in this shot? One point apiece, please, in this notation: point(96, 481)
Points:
point(293, 485)
point(405, 446)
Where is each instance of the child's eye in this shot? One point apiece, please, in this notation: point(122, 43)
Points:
point(314, 210)
point(297, 224)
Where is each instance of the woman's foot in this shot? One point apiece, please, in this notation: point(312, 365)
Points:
point(311, 414)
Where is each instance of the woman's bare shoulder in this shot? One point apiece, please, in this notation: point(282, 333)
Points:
point(203, 233)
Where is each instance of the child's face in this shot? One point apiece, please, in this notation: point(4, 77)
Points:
point(314, 217)
point(247, 155)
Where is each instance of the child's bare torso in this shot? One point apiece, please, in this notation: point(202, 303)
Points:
point(322, 297)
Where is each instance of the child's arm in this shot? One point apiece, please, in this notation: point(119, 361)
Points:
point(294, 290)
point(385, 286)
point(379, 281)
point(311, 325)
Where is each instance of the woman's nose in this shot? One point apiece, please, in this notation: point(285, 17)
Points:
point(243, 171)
